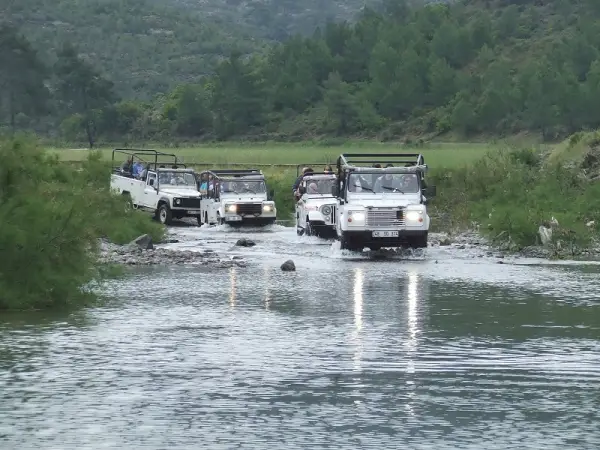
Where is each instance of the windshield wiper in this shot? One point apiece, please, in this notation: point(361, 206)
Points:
point(368, 189)
point(249, 190)
point(392, 189)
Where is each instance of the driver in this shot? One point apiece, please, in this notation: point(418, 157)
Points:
point(312, 188)
point(408, 183)
point(387, 183)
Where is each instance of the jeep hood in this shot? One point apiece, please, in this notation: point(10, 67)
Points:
point(319, 201)
point(383, 201)
point(181, 192)
point(243, 198)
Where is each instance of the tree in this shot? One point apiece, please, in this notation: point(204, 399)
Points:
point(22, 77)
point(82, 90)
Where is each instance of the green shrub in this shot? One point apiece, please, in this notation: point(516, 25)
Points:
point(511, 193)
point(51, 218)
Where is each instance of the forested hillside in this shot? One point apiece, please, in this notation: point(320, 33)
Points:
point(470, 67)
point(144, 46)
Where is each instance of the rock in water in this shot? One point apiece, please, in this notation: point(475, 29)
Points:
point(144, 242)
point(288, 266)
point(245, 243)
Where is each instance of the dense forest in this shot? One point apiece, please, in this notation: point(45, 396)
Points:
point(472, 67)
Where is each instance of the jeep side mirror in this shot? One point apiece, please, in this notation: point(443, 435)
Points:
point(271, 194)
point(302, 190)
point(151, 182)
point(430, 191)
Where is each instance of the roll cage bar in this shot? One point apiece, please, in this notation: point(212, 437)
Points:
point(312, 165)
point(153, 158)
point(412, 162)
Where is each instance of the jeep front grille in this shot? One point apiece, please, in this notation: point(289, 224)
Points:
point(191, 203)
point(249, 209)
point(385, 217)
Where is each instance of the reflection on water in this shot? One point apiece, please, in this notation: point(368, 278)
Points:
point(232, 286)
point(348, 355)
point(358, 297)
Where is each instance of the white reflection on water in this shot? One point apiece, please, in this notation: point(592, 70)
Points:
point(233, 287)
point(267, 283)
point(358, 313)
point(412, 300)
point(358, 297)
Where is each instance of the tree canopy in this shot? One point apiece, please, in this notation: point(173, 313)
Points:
point(483, 67)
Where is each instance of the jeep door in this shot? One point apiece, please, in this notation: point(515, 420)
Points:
point(151, 191)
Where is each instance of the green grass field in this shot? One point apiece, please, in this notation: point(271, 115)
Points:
point(436, 155)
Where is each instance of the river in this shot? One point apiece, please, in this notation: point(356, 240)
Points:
point(445, 350)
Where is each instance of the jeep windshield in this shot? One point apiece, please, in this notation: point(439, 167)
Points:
point(243, 186)
point(387, 183)
point(318, 187)
point(179, 179)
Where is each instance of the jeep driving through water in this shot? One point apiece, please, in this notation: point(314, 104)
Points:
point(167, 189)
point(382, 206)
point(236, 197)
point(315, 206)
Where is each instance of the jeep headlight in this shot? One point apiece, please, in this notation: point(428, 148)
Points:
point(356, 217)
point(326, 210)
point(231, 208)
point(177, 201)
point(268, 207)
point(414, 216)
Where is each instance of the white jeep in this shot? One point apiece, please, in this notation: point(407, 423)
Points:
point(382, 207)
point(167, 193)
point(315, 206)
point(236, 197)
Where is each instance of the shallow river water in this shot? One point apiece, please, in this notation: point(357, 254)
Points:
point(445, 350)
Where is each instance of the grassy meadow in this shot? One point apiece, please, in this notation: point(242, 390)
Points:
point(436, 155)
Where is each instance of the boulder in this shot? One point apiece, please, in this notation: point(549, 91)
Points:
point(143, 242)
point(245, 243)
point(288, 266)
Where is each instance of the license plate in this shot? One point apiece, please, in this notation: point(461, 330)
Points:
point(233, 218)
point(194, 211)
point(384, 234)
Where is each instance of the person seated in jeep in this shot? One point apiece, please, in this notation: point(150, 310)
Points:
point(387, 183)
point(312, 188)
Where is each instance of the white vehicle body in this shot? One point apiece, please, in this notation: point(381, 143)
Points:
point(166, 193)
point(375, 215)
point(236, 200)
point(314, 209)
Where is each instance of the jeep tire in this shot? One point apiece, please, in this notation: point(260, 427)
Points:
point(164, 214)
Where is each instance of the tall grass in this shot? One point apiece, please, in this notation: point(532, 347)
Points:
point(511, 193)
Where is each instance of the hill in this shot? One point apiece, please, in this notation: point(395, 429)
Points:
point(148, 46)
point(144, 46)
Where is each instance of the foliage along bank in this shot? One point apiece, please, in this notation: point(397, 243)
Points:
point(471, 67)
point(51, 218)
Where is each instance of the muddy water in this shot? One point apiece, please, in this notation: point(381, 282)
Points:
point(444, 350)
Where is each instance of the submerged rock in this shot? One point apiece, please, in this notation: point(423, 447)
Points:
point(288, 266)
point(245, 243)
point(144, 242)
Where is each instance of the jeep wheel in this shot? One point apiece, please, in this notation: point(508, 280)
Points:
point(419, 242)
point(308, 230)
point(128, 201)
point(164, 214)
point(346, 244)
point(199, 220)
point(299, 231)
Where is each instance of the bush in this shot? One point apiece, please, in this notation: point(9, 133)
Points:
point(512, 192)
point(51, 218)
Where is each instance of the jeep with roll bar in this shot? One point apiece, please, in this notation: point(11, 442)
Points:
point(164, 186)
point(382, 201)
point(315, 204)
point(236, 197)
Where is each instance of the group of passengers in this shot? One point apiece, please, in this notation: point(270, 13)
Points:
point(313, 188)
point(389, 182)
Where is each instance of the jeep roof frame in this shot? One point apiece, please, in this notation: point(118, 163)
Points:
point(312, 165)
point(233, 173)
point(135, 152)
point(350, 162)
